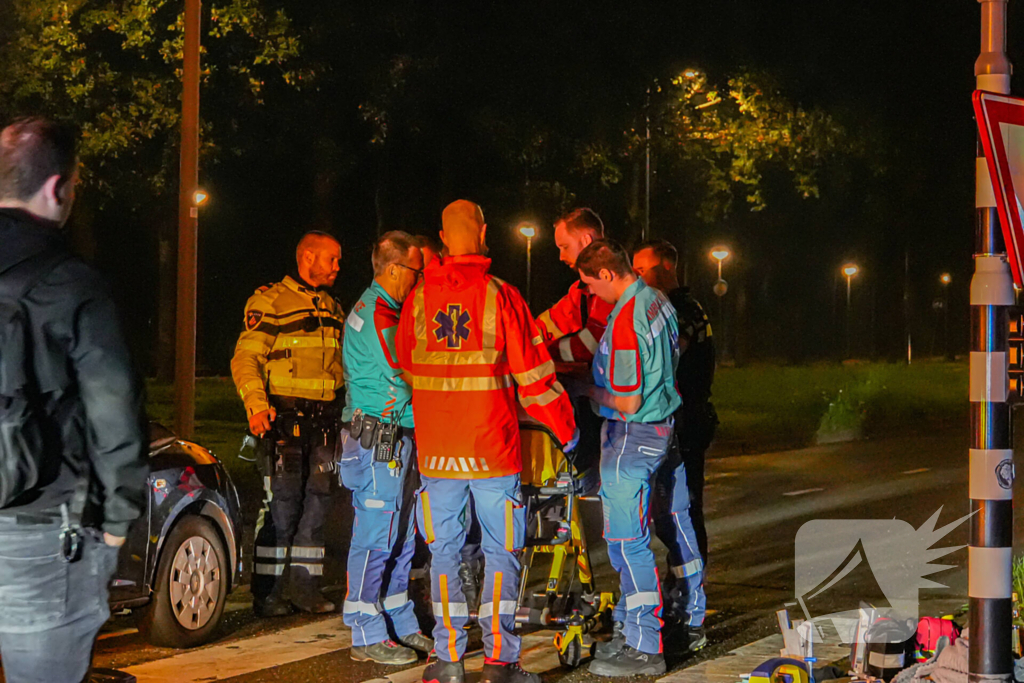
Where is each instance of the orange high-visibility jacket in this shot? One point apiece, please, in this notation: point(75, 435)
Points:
point(573, 327)
point(464, 336)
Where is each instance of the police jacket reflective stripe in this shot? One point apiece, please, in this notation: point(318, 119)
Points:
point(638, 354)
point(291, 345)
point(573, 327)
point(467, 337)
point(372, 373)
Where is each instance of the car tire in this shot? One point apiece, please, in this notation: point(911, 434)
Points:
point(191, 587)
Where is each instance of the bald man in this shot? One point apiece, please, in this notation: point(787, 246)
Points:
point(287, 368)
point(466, 339)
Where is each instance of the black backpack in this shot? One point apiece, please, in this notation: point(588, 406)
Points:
point(22, 409)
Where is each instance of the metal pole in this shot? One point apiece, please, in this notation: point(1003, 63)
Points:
point(945, 322)
point(529, 269)
point(647, 154)
point(188, 220)
point(848, 316)
point(990, 551)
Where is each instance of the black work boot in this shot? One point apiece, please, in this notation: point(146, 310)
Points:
point(470, 579)
point(441, 671)
point(500, 672)
point(304, 594)
point(271, 606)
point(610, 648)
point(629, 662)
point(387, 652)
point(418, 641)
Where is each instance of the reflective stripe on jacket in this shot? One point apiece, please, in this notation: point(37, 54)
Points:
point(466, 336)
point(291, 346)
point(573, 327)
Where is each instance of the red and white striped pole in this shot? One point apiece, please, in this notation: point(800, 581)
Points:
point(990, 553)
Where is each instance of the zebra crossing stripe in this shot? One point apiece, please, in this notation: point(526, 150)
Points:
point(538, 655)
point(239, 657)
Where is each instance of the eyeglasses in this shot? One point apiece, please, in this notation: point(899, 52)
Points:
point(418, 271)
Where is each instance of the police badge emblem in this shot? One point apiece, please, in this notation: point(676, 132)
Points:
point(252, 319)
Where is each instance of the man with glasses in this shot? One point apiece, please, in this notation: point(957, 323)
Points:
point(378, 460)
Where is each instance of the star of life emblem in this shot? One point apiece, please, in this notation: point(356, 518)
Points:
point(452, 326)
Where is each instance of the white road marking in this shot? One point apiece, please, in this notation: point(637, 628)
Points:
point(538, 655)
point(238, 657)
point(802, 492)
point(917, 471)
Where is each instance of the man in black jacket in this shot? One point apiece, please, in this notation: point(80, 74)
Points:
point(55, 563)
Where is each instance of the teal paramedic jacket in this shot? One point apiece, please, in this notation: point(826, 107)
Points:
point(372, 375)
point(638, 354)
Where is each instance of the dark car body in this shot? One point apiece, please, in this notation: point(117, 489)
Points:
point(185, 480)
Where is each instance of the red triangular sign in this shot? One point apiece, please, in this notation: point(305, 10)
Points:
point(1001, 127)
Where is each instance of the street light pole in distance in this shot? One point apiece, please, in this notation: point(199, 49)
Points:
point(719, 254)
point(528, 231)
point(850, 270)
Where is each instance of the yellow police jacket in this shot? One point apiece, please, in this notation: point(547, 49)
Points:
point(291, 346)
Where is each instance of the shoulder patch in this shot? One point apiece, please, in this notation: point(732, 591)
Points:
point(252, 319)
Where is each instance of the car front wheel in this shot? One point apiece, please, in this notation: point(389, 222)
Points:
point(191, 587)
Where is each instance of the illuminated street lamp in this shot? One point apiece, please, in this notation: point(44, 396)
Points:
point(719, 254)
point(850, 270)
point(200, 197)
point(528, 231)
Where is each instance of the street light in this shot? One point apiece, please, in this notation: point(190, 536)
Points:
point(719, 254)
point(945, 279)
point(200, 197)
point(850, 270)
point(528, 231)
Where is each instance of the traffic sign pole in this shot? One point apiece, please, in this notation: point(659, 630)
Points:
point(991, 541)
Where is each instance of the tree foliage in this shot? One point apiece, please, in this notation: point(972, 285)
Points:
point(113, 67)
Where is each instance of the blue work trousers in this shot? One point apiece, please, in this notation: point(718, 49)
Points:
point(383, 542)
point(631, 453)
point(443, 507)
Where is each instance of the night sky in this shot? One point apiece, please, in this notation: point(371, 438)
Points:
point(897, 75)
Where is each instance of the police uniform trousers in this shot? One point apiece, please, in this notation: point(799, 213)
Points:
point(383, 541)
point(631, 454)
point(290, 528)
point(441, 514)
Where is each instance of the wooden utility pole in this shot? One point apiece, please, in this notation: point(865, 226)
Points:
point(188, 223)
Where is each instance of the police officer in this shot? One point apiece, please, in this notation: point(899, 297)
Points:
point(287, 367)
point(466, 338)
point(378, 462)
point(682, 477)
point(634, 385)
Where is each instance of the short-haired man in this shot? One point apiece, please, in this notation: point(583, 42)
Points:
point(431, 248)
point(682, 478)
point(573, 326)
point(378, 462)
point(634, 385)
point(466, 338)
point(287, 368)
point(77, 440)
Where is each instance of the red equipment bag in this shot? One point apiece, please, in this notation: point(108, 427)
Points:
point(929, 630)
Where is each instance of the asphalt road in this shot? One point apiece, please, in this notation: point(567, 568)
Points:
point(755, 506)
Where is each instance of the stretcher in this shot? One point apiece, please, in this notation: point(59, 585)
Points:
point(553, 489)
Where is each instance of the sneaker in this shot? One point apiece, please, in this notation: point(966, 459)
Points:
point(441, 671)
point(629, 662)
point(696, 638)
point(387, 652)
point(610, 648)
point(501, 672)
point(418, 641)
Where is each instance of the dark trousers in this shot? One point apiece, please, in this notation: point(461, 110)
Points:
point(50, 610)
point(290, 528)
